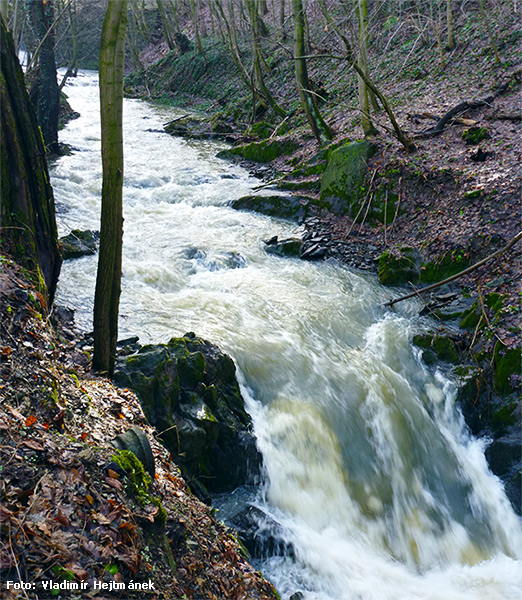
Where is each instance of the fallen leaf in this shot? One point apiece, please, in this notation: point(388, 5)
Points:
point(113, 483)
point(33, 445)
point(89, 498)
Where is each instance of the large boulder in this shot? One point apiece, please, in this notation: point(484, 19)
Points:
point(189, 392)
point(343, 182)
point(284, 207)
point(79, 243)
point(262, 152)
point(398, 269)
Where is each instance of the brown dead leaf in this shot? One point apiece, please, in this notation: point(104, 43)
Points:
point(33, 445)
point(113, 483)
point(113, 474)
point(61, 518)
point(89, 498)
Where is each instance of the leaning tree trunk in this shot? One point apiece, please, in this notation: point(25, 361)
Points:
point(108, 280)
point(322, 132)
point(45, 93)
point(27, 217)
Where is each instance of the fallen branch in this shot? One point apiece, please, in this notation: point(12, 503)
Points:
point(465, 106)
point(434, 286)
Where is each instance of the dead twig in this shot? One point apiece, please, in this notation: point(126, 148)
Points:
point(434, 286)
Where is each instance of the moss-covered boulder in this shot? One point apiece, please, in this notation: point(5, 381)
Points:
point(262, 152)
point(343, 182)
point(445, 266)
point(287, 247)
point(400, 268)
point(496, 416)
point(79, 243)
point(201, 127)
point(189, 392)
point(436, 347)
point(506, 364)
point(285, 207)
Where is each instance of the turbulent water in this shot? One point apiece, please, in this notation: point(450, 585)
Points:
point(370, 472)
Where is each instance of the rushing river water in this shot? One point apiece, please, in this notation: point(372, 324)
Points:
point(370, 471)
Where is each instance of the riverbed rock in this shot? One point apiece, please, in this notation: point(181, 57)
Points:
point(287, 247)
point(262, 152)
point(342, 183)
point(189, 392)
point(436, 346)
point(80, 243)
point(498, 418)
point(201, 127)
point(261, 535)
point(285, 207)
point(398, 269)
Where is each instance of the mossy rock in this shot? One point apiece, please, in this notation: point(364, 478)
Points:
point(475, 135)
point(398, 270)
point(290, 247)
point(261, 130)
point(262, 152)
point(309, 185)
point(79, 243)
point(471, 317)
point(343, 181)
point(447, 265)
point(189, 392)
point(436, 347)
point(507, 363)
point(285, 207)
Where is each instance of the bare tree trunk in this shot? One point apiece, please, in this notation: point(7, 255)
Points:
point(361, 8)
point(449, 24)
point(108, 280)
point(258, 58)
point(487, 25)
point(322, 132)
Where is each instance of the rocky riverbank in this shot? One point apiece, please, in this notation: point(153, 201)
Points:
point(77, 508)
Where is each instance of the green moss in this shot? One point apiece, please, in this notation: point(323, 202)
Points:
point(343, 182)
point(262, 152)
point(398, 270)
point(475, 135)
point(138, 481)
point(447, 265)
point(505, 416)
point(261, 130)
point(442, 347)
point(471, 317)
point(507, 363)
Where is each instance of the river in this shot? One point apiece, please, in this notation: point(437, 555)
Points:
point(370, 470)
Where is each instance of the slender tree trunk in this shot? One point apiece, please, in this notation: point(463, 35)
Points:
point(322, 132)
point(194, 10)
point(258, 58)
point(361, 8)
point(487, 25)
point(45, 93)
point(449, 24)
point(4, 10)
point(108, 280)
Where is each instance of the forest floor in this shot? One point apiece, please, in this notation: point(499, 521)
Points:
point(69, 513)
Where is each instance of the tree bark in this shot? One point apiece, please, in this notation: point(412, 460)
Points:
point(361, 7)
point(27, 224)
point(45, 93)
point(108, 280)
point(322, 132)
